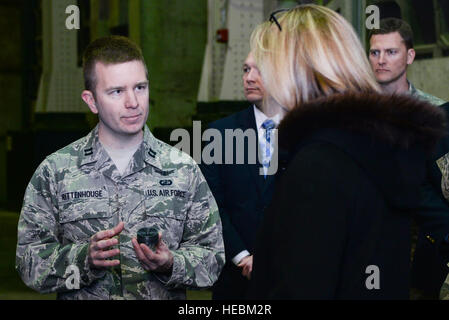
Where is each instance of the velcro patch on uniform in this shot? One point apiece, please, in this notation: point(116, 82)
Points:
point(165, 193)
point(165, 182)
point(82, 194)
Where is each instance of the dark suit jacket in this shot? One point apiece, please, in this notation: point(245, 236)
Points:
point(242, 195)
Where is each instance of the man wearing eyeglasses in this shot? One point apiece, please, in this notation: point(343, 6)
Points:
point(242, 193)
point(86, 203)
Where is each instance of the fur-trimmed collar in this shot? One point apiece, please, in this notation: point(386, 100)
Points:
point(399, 120)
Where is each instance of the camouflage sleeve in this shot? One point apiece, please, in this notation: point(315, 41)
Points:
point(41, 260)
point(200, 258)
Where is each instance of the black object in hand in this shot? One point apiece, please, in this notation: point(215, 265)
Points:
point(148, 236)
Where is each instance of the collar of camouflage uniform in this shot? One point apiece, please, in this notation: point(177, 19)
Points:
point(90, 150)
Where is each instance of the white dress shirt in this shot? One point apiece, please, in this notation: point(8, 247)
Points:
point(260, 119)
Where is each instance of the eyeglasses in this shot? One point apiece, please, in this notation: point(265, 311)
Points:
point(273, 17)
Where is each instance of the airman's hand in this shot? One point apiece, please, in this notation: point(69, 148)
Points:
point(99, 247)
point(247, 266)
point(160, 260)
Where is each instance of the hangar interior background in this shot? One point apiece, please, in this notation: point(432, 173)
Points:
point(194, 74)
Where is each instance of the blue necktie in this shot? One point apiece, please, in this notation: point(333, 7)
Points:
point(268, 125)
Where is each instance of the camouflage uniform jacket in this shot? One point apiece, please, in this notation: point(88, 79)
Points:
point(77, 192)
point(424, 96)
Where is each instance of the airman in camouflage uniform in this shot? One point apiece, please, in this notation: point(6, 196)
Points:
point(391, 52)
point(85, 205)
point(77, 192)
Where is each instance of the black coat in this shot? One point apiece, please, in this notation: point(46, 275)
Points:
point(242, 195)
point(429, 268)
point(343, 205)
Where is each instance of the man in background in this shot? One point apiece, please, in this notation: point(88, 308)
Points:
point(391, 52)
point(241, 191)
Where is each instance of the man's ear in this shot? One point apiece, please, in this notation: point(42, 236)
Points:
point(89, 99)
point(411, 53)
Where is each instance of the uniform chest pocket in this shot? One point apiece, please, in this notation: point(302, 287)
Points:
point(166, 209)
point(80, 219)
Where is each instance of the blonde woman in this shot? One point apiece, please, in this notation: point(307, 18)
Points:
point(339, 223)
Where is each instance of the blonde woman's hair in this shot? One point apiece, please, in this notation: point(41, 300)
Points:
point(316, 54)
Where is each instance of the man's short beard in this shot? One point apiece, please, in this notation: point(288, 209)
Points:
point(387, 82)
